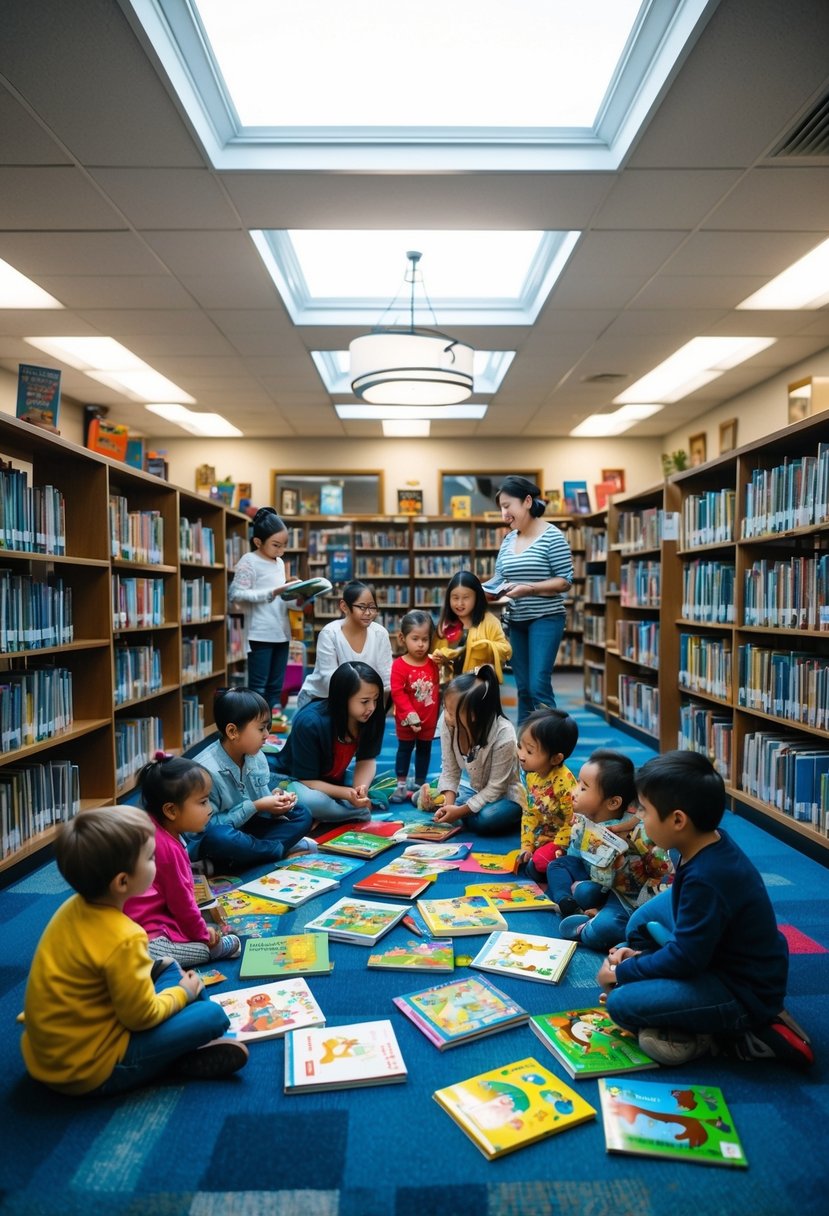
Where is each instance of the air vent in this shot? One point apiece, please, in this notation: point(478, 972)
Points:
point(604, 377)
point(810, 137)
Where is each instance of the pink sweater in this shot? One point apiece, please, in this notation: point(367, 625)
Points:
point(168, 908)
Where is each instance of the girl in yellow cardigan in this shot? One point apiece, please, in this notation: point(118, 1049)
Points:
point(467, 635)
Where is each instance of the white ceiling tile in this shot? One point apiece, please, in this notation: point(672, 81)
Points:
point(230, 290)
point(201, 252)
point(629, 253)
point(109, 291)
point(124, 322)
point(24, 140)
point(57, 197)
point(168, 198)
point(703, 292)
point(77, 253)
point(664, 198)
point(739, 253)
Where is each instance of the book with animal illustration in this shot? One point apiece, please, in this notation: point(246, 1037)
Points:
point(291, 954)
point(525, 956)
point(291, 887)
point(514, 895)
point(416, 954)
point(342, 1057)
point(358, 844)
point(479, 862)
point(401, 886)
point(323, 865)
point(426, 851)
point(360, 921)
point(415, 867)
point(676, 1121)
point(588, 1043)
point(429, 831)
point(307, 588)
point(460, 916)
point(597, 844)
point(238, 903)
point(459, 1010)
point(512, 1106)
point(268, 1010)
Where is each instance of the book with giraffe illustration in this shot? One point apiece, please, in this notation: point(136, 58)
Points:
point(341, 1057)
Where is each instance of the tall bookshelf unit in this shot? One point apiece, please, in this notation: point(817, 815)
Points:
point(594, 618)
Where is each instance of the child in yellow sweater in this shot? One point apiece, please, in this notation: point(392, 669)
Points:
point(546, 739)
point(100, 1017)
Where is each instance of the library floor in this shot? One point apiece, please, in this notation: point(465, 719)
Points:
point(241, 1146)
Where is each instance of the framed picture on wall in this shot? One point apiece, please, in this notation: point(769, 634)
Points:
point(410, 502)
point(728, 435)
point(617, 476)
point(289, 502)
point(698, 449)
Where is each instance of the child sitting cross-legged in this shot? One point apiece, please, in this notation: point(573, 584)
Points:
point(719, 981)
point(100, 1017)
point(545, 740)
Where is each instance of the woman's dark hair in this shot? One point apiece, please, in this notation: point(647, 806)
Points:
point(265, 523)
point(239, 706)
point(521, 487)
point(344, 684)
point(479, 704)
point(171, 779)
point(555, 732)
point(683, 781)
point(616, 775)
point(464, 578)
point(352, 591)
point(416, 619)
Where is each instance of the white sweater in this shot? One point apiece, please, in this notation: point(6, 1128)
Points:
point(254, 579)
point(333, 649)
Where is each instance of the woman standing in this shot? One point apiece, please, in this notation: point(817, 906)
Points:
point(536, 566)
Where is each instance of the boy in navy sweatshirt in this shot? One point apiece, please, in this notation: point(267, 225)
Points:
point(719, 982)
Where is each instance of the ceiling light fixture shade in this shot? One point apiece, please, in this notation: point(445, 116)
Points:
point(411, 366)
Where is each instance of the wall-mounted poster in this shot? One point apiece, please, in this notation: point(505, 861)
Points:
point(38, 395)
point(331, 499)
point(410, 502)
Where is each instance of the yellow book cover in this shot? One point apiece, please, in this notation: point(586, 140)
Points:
point(461, 506)
point(512, 1106)
point(514, 895)
point(464, 915)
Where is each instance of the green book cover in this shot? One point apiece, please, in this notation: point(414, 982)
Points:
point(589, 1043)
point(677, 1121)
point(421, 954)
point(294, 954)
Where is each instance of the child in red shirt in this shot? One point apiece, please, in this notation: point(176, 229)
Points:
point(415, 694)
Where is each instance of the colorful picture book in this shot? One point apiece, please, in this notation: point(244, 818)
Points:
point(323, 866)
point(400, 886)
point(203, 892)
point(516, 895)
point(359, 921)
point(416, 954)
point(358, 844)
point(430, 831)
point(307, 588)
point(512, 1106)
point(426, 851)
point(460, 916)
point(490, 863)
point(675, 1121)
point(524, 956)
point(341, 1057)
point(210, 976)
point(589, 1043)
point(415, 867)
point(294, 954)
point(459, 1010)
point(237, 904)
point(268, 1010)
point(291, 887)
point(598, 845)
point(258, 926)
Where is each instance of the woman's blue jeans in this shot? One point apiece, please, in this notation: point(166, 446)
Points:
point(534, 648)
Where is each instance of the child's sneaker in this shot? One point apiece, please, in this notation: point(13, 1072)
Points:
point(306, 845)
point(673, 1047)
point(401, 794)
point(219, 1058)
point(571, 927)
point(776, 1041)
point(228, 946)
point(568, 907)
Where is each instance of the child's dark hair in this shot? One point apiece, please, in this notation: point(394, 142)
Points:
point(239, 706)
point(96, 845)
point(555, 732)
point(479, 704)
point(352, 591)
point(265, 523)
point(521, 487)
point(616, 775)
point(683, 781)
point(416, 619)
point(464, 578)
point(344, 684)
point(171, 779)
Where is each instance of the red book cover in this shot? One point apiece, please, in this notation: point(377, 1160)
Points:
point(399, 885)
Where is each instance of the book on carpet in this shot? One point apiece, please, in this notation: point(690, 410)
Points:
point(415, 867)
point(429, 831)
point(342, 1057)
point(460, 916)
point(360, 921)
point(268, 1010)
point(323, 865)
point(672, 1120)
point(237, 904)
point(513, 1106)
point(589, 1043)
point(372, 827)
point(399, 885)
point(203, 892)
point(358, 844)
point(490, 863)
point(518, 895)
point(291, 954)
point(258, 925)
point(426, 851)
point(459, 1010)
point(291, 887)
point(307, 588)
point(210, 976)
point(525, 956)
point(416, 954)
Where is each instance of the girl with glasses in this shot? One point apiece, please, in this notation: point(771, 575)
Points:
point(357, 638)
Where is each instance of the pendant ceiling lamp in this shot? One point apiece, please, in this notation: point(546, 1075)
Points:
point(410, 366)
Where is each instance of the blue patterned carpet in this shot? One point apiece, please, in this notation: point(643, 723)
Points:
point(240, 1146)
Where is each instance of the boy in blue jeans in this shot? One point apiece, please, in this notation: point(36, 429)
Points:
point(719, 981)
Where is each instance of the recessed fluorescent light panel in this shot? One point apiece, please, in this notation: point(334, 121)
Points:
point(360, 412)
point(488, 369)
point(110, 363)
point(476, 84)
point(16, 291)
point(596, 426)
point(347, 277)
point(212, 426)
point(413, 429)
point(804, 285)
point(695, 364)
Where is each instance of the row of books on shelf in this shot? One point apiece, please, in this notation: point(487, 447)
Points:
point(708, 518)
point(369, 567)
point(196, 542)
point(786, 683)
point(136, 742)
point(196, 657)
point(34, 798)
point(196, 600)
point(638, 641)
point(708, 731)
point(446, 538)
point(708, 591)
point(705, 664)
point(137, 603)
point(436, 565)
point(594, 684)
point(235, 548)
point(595, 588)
point(32, 518)
point(192, 720)
point(794, 494)
point(236, 648)
point(595, 544)
point(639, 704)
point(137, 672)
point(134, 536)
point(639, 529)
point(640, 584)
point(34, 614)
point(390, 538)
point(323, 541)
point(790, 774)
point(35, 704)
point(788, 594)
point(595, 629)
point(484, 567)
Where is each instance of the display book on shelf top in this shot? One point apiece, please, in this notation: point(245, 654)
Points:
point(92, 635)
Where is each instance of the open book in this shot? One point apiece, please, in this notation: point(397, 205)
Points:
point(307, 588)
